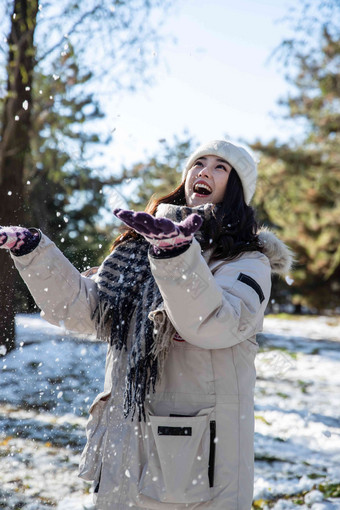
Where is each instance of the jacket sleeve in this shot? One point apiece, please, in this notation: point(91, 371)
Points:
point(65, 296)
point(214, 311)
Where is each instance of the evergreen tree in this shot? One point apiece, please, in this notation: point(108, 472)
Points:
point(63, 193)
point(299, 185)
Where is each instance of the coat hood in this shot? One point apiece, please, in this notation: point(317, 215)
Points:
point(279, 255)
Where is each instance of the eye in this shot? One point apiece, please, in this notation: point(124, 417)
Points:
point(223, 167)
point(198, 163)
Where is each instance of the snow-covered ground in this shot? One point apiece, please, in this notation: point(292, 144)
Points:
point(49, 382)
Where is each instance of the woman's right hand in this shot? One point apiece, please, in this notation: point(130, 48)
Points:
point(19, 240)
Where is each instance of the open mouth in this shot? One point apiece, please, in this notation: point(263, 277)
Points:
point(201, 188)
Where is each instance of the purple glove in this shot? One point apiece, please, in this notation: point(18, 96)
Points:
point(19, 240)
point(162, 233)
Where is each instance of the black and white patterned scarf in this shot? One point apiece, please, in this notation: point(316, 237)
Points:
point(129, 297)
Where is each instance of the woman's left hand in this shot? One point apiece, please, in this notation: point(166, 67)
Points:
point(161, 232)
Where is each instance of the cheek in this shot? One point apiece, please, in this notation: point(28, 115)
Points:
point(186, 188)
point(189, 182)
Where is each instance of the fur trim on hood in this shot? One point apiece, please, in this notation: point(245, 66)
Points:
point(279, 255)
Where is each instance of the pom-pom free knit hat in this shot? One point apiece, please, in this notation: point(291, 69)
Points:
point(238, 157)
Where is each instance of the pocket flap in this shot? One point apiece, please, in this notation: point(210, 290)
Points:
point(178, 458)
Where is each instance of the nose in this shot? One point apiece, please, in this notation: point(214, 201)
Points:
point(205, 170)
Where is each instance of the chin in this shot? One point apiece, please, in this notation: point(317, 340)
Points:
point(193, 202)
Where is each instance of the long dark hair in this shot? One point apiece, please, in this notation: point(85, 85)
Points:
point(232, 229)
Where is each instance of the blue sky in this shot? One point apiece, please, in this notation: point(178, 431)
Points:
point(216, 81)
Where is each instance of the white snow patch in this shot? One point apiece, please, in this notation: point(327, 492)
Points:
point(48, 383)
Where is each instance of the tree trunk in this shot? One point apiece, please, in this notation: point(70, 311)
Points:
point(14, 145)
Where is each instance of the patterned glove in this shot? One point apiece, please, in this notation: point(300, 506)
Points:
point(162, 233)
point(19, 240)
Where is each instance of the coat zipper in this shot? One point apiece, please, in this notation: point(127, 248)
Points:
point(211, 466)
point(96, 490)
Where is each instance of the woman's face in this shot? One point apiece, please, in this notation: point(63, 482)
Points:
point(206, 181)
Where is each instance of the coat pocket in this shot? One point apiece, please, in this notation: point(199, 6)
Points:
point(179, 452)
point(90, 462)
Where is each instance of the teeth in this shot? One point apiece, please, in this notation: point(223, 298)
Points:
point(201, 185)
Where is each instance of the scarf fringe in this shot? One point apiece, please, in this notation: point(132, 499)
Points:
point(101, 318)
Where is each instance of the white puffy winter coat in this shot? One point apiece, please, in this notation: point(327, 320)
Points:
point(195, 451)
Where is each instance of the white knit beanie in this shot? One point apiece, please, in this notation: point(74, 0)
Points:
point(238, 157)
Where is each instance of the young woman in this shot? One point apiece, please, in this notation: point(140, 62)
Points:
point(179, 300)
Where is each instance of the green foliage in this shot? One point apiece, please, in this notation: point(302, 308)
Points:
point(330, 490)
point(299, 184)
point(63, 195)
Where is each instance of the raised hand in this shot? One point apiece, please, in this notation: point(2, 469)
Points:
point(19, 240)
point(161, 232)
